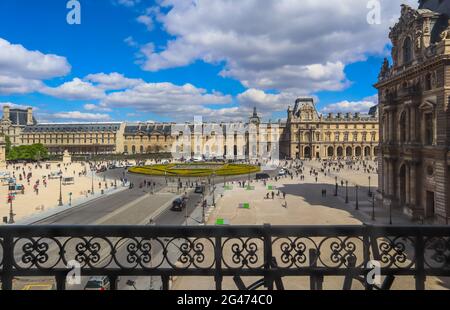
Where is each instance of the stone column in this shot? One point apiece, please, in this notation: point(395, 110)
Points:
point(392, 175)
point(408, 125)
point(412, 185)
point(391, 126)
point(388, 189)
point(413, 132)
point(385, 176)
point(407, 183)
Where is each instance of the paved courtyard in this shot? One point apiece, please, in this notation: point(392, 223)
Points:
point(304, 204)
point(31, 202)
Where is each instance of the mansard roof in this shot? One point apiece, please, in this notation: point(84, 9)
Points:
point(305, 104)
point(18, 117)
point(439, 6)
point(72, 127)
point(148, 129)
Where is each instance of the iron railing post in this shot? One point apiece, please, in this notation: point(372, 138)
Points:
point(61, 281)
point(268, 278)
point(165, 282)
point(113, 282)
point(420, 258)
point(8, 261)
point(218, 263)
point(315, 280)
point(366, 255)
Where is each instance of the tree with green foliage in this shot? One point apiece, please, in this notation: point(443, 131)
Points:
point(8, 144)
point(34, 152)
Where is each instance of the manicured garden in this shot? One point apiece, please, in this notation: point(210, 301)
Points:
point(195, 170)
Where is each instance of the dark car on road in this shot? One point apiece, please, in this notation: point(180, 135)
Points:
point(97, 283)
point(199, 189)
point(262, 176)
point(178, 204)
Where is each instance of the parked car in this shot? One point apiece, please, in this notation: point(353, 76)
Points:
point(178, 204)
point(199, 189)
point(97, 283)
point(282, 172)
point(262, 176)
point(55, 175)
point(68, 180)
point(15, 187)
point(101, 169)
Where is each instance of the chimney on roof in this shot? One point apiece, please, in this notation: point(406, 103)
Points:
point(330, 115)
point(30, 116)
point(339, 115)
point(6, 112)
point(357, 115)
point(348, 115)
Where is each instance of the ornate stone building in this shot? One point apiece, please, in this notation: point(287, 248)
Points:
point(343, 136)
point(14, 121)
point(414, 95)
point(145, 138)
point(77, 138)
point(2, 152)
point(305, 134)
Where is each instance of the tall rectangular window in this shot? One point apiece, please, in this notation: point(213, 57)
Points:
point(429, 130)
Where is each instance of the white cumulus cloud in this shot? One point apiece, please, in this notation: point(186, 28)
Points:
point(112, 81)
point(76, 89)
point(287, 45)
point(361, 106)
point(165, 99)
point(22, 70)
point(81, 116)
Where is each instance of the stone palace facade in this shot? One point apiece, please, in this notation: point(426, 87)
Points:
point(305, 134)
point(414, 96)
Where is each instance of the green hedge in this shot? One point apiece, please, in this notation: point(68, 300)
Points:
point(174, 170)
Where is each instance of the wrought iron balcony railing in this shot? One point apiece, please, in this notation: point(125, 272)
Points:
point(273, 253)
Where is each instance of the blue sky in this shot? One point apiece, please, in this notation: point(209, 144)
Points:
point(172, 59)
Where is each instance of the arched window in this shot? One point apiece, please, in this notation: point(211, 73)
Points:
point(407, 50)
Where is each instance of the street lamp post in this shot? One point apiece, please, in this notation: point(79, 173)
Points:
point(60, 191)
point(373, 208)
point(92, 181)
point(203, 210)
point(70, 199)
point(346, 191)
point(11, 212)
point(336, 188)
point(357, 202)
point(214, 189)
point(370, 193)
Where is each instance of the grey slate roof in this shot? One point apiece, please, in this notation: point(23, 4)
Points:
point(18, 117)
point(439, 6)
point(164, 129)
point(73, 127)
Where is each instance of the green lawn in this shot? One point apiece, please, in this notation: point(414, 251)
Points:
point(195, 170)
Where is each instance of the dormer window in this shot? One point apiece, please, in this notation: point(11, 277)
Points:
point(407, 51)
